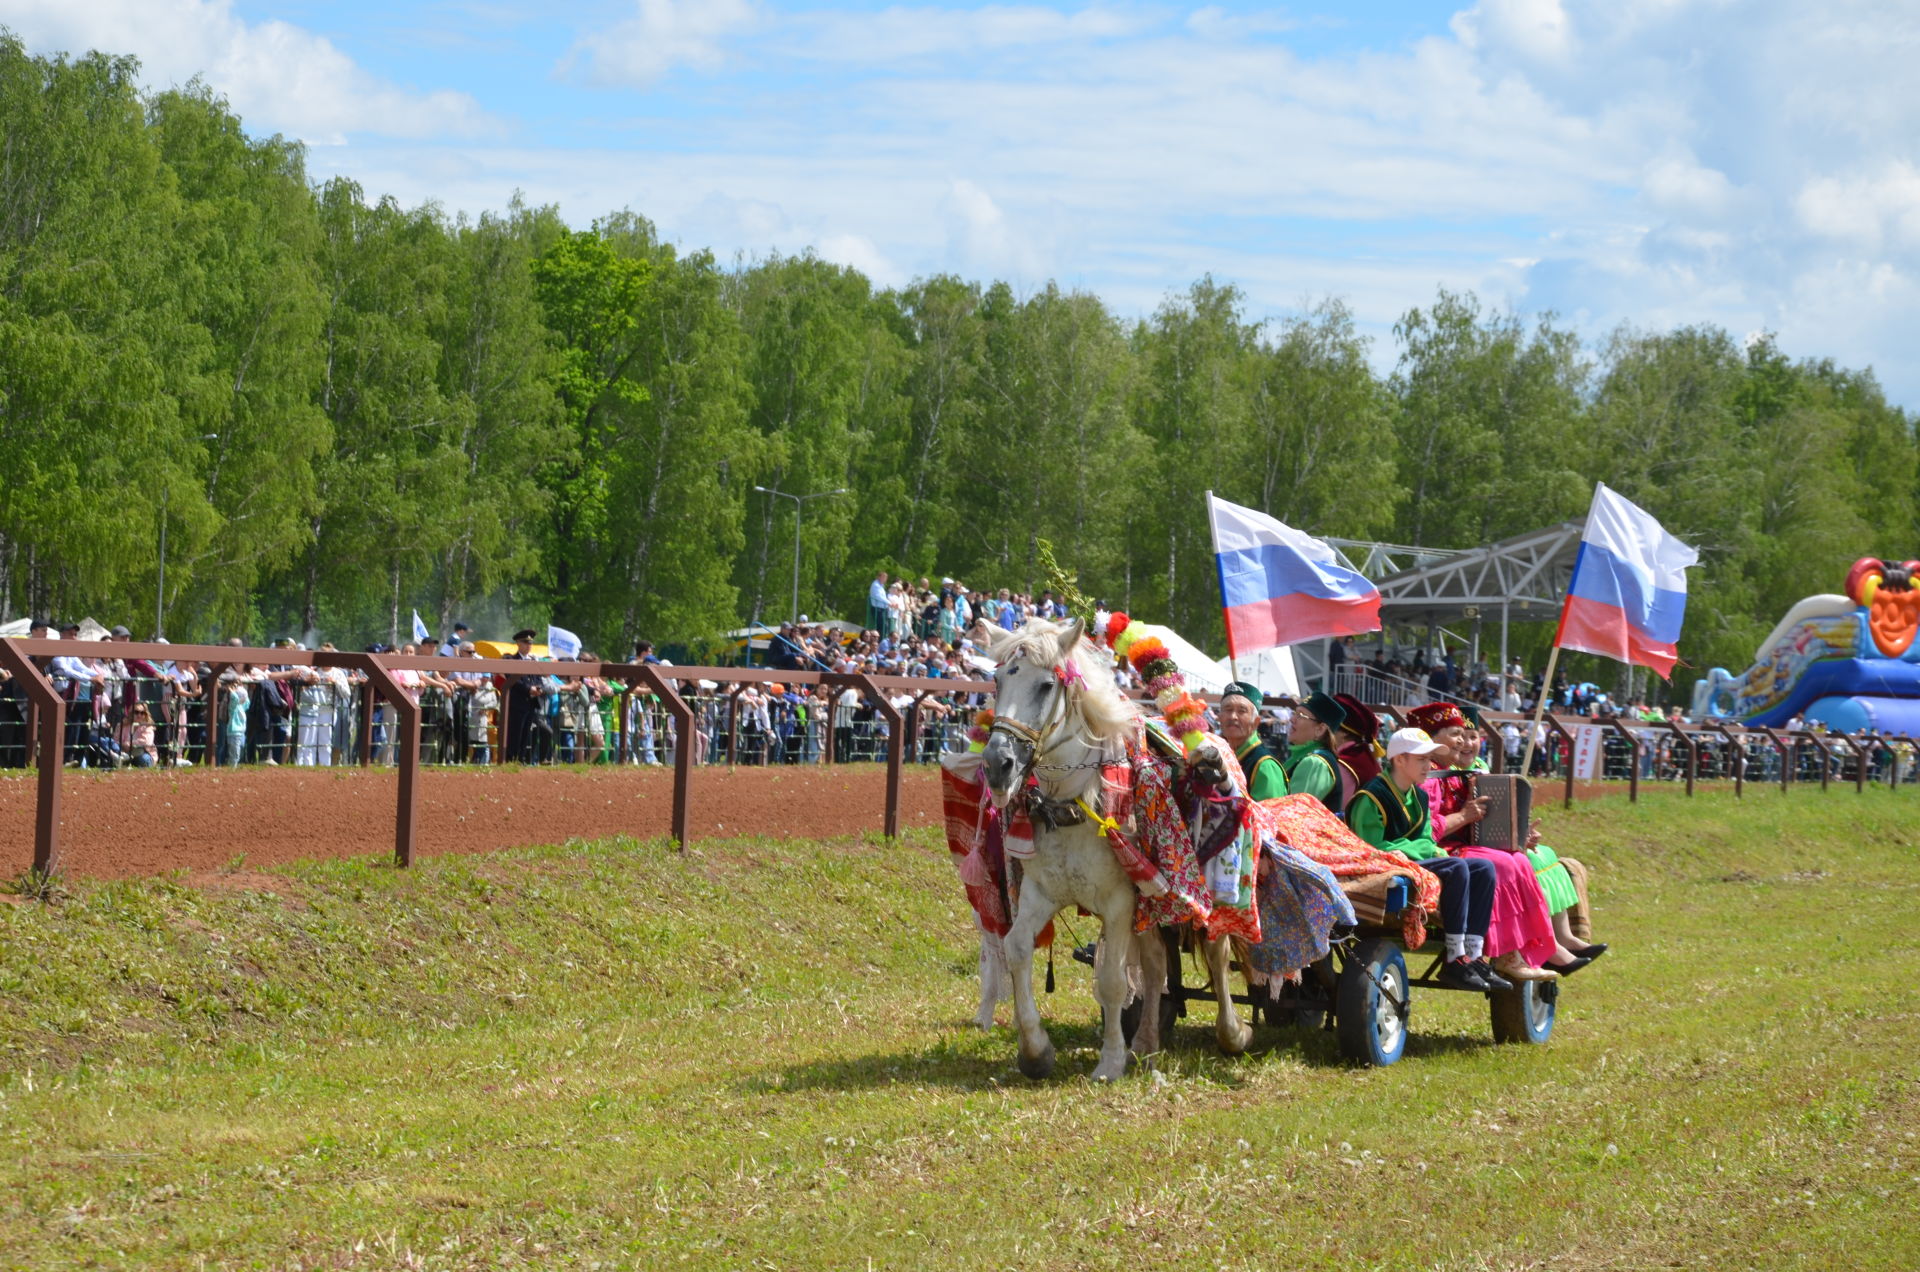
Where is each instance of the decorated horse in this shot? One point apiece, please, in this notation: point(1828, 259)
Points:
point(1059, 720)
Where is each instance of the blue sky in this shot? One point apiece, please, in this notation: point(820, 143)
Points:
point(1749, 163)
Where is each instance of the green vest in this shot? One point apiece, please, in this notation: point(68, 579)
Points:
point(1399, 822)
point(1252, 756)
point(1314, 756)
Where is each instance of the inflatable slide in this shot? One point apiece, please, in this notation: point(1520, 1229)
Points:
point(1848, 662)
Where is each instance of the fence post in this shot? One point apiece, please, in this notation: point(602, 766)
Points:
point(367, 695)
point(1736, 757)
point(1566, 736)
point(407, 720)
point(733, 723)
point(686, 739)
point(211, 758)
point(896, 726)
point(51, 717)
point(1693, 755)
point(1826, 757)
point(626, 714)
point(1633, 758)
point(1859, 763)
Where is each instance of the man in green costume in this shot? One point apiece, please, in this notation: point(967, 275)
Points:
point(1313, 763)
point(1239, 717)
point(1390, 812)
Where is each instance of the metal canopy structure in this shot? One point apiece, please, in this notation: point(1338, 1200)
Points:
point(1523, 577)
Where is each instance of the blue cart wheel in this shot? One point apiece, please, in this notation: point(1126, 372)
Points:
point(1372, 1007)
point(1525, 1012)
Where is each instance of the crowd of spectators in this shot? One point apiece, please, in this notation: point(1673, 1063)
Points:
point(126, 711)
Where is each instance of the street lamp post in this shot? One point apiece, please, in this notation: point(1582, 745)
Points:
point(799, 503)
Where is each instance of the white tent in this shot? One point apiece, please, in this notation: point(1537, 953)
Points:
point(1272, 672)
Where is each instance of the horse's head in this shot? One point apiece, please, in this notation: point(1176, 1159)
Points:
point(1054, 701)
point(1029, 699)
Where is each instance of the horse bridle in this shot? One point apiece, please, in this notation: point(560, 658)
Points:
point(1039, 741)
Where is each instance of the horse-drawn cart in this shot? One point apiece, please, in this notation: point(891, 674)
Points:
point(1363, 992)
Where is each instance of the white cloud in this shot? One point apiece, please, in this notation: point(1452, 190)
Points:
point(859, 252)
point(901, 34)
point(1870, 213)
point(1537, 31)
point(279, 77)
point(661, 35)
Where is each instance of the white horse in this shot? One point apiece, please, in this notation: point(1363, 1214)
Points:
point(1058, 717)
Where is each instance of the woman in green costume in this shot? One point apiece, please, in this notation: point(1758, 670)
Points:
point(1239, 719)
point(1556, 882)
point(1313, 760)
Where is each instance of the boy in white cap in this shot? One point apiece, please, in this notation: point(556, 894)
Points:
point(1390, 812)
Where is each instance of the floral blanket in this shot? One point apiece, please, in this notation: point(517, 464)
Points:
point(1306, 824)
point(1225, 864)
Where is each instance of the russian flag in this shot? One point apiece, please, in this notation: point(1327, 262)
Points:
point(1629, 589)
point(1280, 586)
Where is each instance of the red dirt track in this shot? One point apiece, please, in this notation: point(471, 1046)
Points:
point(136, 823)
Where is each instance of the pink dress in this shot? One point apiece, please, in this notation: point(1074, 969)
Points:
point(1520, 918)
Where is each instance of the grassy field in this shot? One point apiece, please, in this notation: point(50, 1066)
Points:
point(755, 1055)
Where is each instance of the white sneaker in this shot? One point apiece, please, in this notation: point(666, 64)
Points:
point(272, 761)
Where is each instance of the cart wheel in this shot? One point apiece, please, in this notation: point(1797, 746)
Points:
point(1370, 1016)
point(1525, 1012)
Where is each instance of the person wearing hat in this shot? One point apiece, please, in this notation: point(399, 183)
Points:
point(1239, 718)
point(1312, 764)
point(1358, 740)
point(1479, 730)
point(1554, 873)
point(1520, 941)
point(524, 713)
point(1390, 812)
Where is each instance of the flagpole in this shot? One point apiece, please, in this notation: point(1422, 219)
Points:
point(1213, 528)
point(1539, 711)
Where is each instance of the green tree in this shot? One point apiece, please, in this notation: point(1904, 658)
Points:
point(252, 430)
point(1192, 406)
point(500, 375)
point(1488, 423)
point(655, 384)
point(1321, 429)
point(89, 432)
point(806, 325)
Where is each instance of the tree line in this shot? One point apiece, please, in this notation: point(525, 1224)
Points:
point(341, 409)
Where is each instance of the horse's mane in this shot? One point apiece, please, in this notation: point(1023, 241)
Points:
point(1108, 713)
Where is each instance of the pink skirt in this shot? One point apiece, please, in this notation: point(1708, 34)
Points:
point(1520, 918)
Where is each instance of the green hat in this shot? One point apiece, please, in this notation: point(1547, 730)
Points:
point(1250, 692)
point(1473, 717)
point(1326, 710)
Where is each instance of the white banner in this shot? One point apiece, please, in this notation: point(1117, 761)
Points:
point(1588, 744)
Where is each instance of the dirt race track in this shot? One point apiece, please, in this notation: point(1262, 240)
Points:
point(135, 823)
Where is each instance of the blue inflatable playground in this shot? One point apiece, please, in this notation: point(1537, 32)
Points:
point(1846, 662)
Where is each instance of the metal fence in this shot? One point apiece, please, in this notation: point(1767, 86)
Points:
point(278, 706)
point(149, 722)
point(243, 705)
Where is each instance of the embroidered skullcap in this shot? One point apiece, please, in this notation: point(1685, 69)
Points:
point(1436, 716)
point(1242, 689)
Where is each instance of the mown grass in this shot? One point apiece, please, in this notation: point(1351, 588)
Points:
point(755, 1055)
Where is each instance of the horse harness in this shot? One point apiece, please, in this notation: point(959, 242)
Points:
point(1054, 814)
